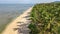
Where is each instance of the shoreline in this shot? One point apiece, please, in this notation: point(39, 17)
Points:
point(13, 24)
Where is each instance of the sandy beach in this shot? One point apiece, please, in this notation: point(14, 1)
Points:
point(16, 22)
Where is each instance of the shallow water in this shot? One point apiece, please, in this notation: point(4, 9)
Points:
point(10, 11)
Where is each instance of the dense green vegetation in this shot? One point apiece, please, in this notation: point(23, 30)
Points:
point(45, 19)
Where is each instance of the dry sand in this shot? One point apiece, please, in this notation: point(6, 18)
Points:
point(10, 28)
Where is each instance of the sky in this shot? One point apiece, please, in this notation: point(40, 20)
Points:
point(26, 1)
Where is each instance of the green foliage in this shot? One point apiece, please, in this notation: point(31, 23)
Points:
point(45, 18)
point(33, 28)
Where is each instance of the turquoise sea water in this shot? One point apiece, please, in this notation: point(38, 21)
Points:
point(10, 11)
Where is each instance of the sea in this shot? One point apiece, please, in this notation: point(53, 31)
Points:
point(8, 12)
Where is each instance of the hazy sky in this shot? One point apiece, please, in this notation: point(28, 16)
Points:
point(26, 1)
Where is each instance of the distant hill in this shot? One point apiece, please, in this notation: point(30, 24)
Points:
point(57, 2)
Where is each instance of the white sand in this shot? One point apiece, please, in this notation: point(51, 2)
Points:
point(10, 28)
